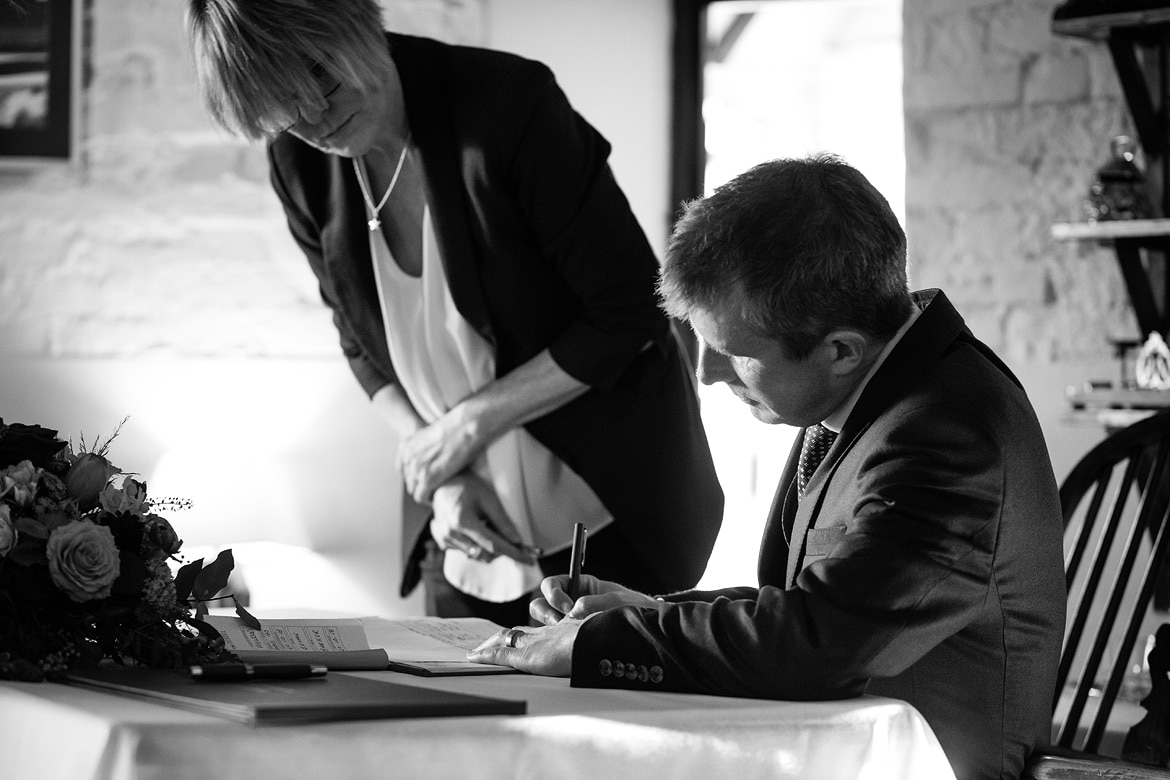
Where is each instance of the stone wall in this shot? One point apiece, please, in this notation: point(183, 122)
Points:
point(1005, 124)
point(164, 240)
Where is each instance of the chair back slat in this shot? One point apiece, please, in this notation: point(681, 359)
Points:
point(1083, 535)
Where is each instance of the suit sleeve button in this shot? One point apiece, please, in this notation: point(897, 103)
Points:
point(643, 674)
point(605, 667)
point(619, 669)
point(655, 674)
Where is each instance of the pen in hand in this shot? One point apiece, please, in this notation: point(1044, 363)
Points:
point(244, 672)
point(576, 560)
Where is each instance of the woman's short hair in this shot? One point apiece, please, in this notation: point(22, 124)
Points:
point(810, 243)
point(259, 61)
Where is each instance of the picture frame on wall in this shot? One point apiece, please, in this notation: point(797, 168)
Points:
point(39, 80)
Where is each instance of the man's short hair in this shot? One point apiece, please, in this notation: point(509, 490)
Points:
point(810, 243)
point(257, 60)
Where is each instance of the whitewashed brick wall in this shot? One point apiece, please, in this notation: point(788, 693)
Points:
point(1005, 124)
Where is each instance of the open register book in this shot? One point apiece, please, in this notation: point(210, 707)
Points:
point(427, 646)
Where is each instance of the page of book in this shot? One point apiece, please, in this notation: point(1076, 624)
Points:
point(425, 645)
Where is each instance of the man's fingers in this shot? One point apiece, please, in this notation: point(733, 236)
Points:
point(544, 613)
point(498, 645)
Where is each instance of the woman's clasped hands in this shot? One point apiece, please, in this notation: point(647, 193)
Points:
point(469, 517)
point(437, 452)
point(435, 465)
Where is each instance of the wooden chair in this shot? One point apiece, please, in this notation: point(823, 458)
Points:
point(1116, 504)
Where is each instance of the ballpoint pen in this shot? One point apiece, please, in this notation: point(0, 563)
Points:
point(242, 672)
point(576, 560)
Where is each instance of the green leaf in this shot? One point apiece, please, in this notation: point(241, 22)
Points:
point(249, 619)
point(214, 576)
point(30, 527)
point(185, 579)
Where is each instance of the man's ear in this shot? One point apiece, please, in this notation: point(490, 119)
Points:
point(849, 351)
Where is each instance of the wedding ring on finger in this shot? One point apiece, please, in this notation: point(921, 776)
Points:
point(474, 552)
point(511, 637)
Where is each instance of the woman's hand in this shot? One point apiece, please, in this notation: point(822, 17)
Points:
point(470, 517)
point(595, 596)
point(429, 457)
point(435, 453)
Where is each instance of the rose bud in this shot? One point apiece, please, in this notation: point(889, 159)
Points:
point(87, 477)
point(162, 534)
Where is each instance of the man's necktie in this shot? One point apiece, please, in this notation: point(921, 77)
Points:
point(817, 441)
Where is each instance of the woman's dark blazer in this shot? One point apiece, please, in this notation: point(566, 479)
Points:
point(541, 250)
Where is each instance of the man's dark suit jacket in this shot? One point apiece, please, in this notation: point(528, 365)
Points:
point(541, 250)
point(923, 563)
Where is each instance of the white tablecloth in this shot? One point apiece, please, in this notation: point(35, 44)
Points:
point(50, 731)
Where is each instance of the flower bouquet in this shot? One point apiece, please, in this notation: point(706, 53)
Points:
point(84, 571)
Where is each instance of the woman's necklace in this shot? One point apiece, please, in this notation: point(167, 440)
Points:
point(375, 223)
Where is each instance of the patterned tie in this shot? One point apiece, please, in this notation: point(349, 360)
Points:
point(817, 441)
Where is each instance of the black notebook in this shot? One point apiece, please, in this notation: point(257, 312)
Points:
point(334, 697)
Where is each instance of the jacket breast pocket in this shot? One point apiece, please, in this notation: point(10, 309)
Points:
point(820, 541)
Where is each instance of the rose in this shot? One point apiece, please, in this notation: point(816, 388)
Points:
point(20, 482)
point(87, 478)
point(131, 497)
point(28, 442)
point(160, 531)
point(7, 531)
point(83, 560)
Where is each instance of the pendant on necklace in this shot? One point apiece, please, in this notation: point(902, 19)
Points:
point(374, 224)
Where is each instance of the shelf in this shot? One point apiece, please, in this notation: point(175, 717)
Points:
point(1151, 22)
point(1137, 36)
point(1129, 237)
point(1132, 399)
point(1126, 32)
point(1107, 230)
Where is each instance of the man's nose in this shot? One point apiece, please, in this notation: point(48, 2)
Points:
point(712, 366)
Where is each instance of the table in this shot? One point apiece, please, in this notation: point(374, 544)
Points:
point(49, 731)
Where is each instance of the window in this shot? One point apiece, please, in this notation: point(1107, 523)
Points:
point(762, 79)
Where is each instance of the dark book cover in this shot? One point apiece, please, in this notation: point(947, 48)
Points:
point(333, 697)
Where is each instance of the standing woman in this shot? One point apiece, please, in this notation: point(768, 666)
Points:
point(493, 292)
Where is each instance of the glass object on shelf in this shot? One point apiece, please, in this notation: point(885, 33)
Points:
point(1118, 189)
point(1152, 369)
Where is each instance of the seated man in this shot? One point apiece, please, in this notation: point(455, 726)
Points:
point(920, 560)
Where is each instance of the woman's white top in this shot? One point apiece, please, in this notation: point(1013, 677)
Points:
point(440, 360)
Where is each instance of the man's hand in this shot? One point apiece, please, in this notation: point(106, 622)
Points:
point(470, 517)
point(547, 650)
point(596, 595)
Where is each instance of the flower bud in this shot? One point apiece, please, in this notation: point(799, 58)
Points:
point(162, 534)
point(87, 477)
